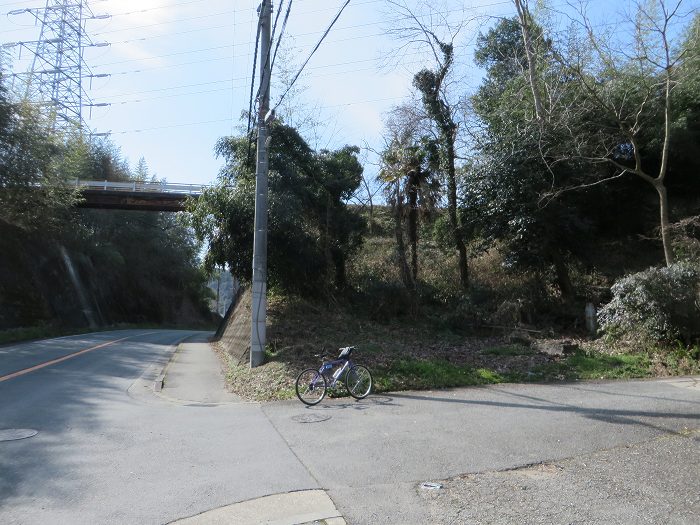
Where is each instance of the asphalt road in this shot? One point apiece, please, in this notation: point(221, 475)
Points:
point(111, 451)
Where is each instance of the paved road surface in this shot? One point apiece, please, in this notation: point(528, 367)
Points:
point(111, 451)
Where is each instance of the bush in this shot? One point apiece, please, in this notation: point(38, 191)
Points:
point(658, 304)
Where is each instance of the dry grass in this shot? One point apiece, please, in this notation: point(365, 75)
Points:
point(401, 355)
point(432, 348)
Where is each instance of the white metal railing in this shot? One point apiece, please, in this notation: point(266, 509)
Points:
point(153, 187)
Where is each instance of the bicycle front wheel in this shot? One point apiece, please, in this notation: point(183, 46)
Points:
point(311, 387)
point(358, 381)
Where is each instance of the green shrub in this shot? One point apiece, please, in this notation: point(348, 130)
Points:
point(658, 304)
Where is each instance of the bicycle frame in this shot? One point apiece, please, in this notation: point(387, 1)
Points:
point(327, 366)
point(312, 383)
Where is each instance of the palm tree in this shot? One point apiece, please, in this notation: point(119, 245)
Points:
point(407, 168)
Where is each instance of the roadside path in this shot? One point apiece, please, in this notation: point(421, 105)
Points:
point(194, 374)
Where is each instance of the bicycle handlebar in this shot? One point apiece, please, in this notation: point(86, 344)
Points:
point(345, 351)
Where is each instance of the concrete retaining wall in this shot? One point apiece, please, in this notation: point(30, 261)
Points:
point(235, 333)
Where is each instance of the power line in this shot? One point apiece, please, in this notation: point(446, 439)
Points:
point(278, 42)
point(166, 55)
point(185, 19)
point(222, 81)
point(343, 28)
point(279, 39)
point(171, 126)
point(269, 47)
point(222, 47)
point(233, 68)
point(197, 123)
point(156, 90)
point(177, 65)
point(156, 8)
point(160, 24)
point(252, 79)
point(209, 28)
point(311, 54)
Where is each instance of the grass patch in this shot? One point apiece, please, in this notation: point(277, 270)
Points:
point(414, 374)
point(273, 381)
point(30, 333)
point(594, 365)
point(602, 366)
point(27, 334)
point(680, 360)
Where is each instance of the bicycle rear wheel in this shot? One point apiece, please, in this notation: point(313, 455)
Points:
point(311, 387)
point(358, 381)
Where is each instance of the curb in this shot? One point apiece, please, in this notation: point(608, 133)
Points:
point(304, 507)
point(159, 383)
point(160, 380)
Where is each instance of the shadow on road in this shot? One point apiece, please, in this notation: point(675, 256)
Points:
point(359, 404)
point(607, 415)
point(68, 403)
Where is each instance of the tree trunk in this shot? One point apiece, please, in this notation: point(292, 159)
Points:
point(659, 182)
point(400, 246)
point(665, 223)
point(339, 261)
point(413, 223)
point(563, 279)
point(371, 205)
point(454, 222)
point(327, 235)
point(429, 84)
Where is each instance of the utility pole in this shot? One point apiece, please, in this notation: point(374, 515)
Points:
point(259, 306)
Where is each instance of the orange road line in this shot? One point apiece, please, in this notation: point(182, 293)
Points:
point(64, 358)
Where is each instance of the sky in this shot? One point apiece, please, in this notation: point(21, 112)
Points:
point(179, 71)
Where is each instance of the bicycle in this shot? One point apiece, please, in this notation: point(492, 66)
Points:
point(312, 384)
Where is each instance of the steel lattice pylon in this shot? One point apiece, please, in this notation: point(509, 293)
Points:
point(55, 78)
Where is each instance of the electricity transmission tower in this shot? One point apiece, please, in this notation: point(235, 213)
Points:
point(55, 78)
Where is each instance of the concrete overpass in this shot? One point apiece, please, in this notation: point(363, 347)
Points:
point(144, 196)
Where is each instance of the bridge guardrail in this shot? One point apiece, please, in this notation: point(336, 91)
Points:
point(150, 187)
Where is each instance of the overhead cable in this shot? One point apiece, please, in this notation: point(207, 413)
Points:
point(155, 8)
point(279, 38)
point(269, 48)
point(252, 78)
point(289, 87)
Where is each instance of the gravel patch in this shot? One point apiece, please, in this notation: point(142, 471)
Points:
point(648, 483)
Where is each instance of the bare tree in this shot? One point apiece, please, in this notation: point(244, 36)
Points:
point(627, 88)
point(525, 24)
point(432, 84)
point(371, 185)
